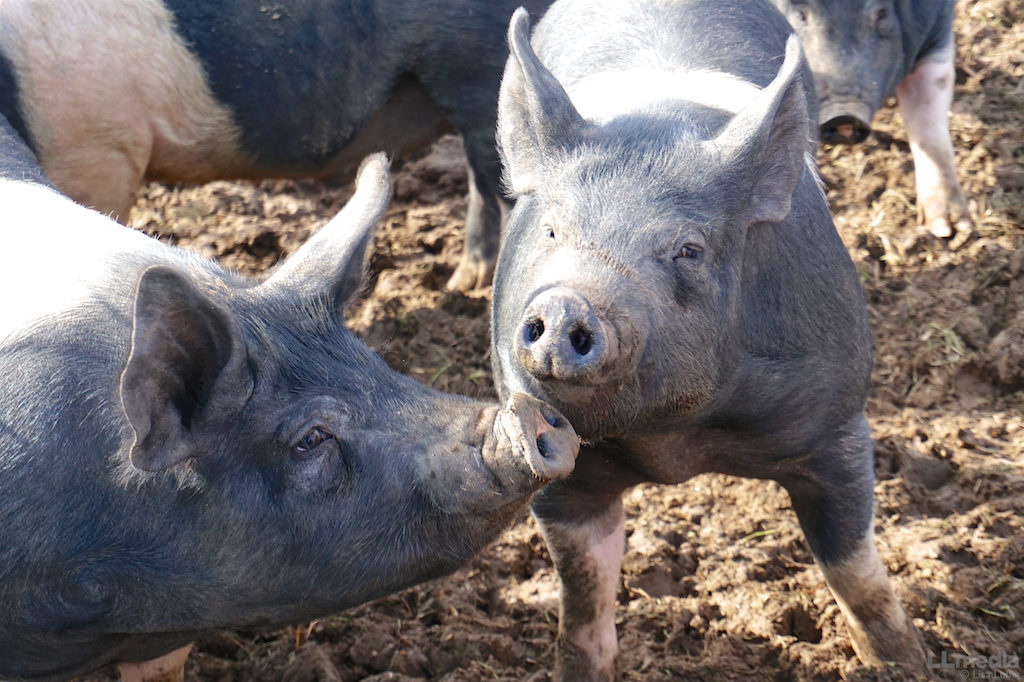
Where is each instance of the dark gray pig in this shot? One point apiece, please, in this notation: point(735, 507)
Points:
point(184, 450)
point(861, 52)
point(108, 93)
point(671, 281)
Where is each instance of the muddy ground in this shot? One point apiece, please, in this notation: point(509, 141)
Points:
point(718, 581)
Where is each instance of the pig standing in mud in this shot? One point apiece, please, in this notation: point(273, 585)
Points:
point(108, 93)
point(861, 51)
point(671, 281)
point(184, 450)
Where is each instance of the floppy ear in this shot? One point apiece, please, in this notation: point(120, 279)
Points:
point(535, 115)
point(331, 262)
point(766, 142)
point(187, 364)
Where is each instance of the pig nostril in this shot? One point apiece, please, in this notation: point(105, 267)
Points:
point(535, 330)
point(844, 129)
point(581, 339)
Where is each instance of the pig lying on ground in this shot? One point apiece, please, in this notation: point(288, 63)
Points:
point(671, 281)
point(183, 449)
point(108, 93)
point(861, 51)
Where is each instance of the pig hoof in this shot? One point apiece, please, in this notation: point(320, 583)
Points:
point(471, 274)
point(941, 228)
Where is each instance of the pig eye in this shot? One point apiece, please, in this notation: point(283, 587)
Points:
point(311, 442)
point(690, 251)
point(882, 21)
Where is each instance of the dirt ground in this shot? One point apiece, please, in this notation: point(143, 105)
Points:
point(717, 581)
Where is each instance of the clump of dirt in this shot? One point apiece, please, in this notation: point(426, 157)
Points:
point(717, 578)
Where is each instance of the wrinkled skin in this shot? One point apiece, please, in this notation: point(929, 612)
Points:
point(671, 281)
point(863, 51)
point(113, 92)
point(185, 450)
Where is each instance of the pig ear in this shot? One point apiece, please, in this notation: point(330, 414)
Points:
point(331, 262)
point(535, 114)
point(187, 363)
point(768, 140)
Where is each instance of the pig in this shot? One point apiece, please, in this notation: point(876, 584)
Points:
point(110, 93)
point(861, 52)
point(183, 449)
point(671, 281)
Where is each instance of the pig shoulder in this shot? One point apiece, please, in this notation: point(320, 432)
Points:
point(927, 30)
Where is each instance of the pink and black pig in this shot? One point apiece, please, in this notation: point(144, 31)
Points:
point(183, 449)
point(110, 93)
point(863, 51)
point(671, 281)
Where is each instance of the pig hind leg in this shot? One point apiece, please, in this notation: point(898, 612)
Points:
point(102, 178)
point(468, 101)
point(584, 534)
point(924, 98)
point(483, 214)
point(833, 499)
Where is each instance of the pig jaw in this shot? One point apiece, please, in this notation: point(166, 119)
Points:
point(845, 121)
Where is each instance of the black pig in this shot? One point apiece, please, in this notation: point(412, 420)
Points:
point(671, 281)
point(183, 449)
point(861, 52)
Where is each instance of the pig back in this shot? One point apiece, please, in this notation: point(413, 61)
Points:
point(744, 39)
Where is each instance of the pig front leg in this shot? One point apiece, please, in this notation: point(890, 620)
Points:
point(834, 499)
point(924, 98)
point(584, 533)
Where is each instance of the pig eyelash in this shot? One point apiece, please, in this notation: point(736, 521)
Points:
point(311, 441)
point(690, 251)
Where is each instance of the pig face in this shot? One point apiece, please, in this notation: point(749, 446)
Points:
point(855, 48)
point(291, 429)
point(617, 293)
point(347, 477)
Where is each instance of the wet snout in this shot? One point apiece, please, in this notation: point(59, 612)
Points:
point(845, 122)
point(539, 436)
point(561, 337)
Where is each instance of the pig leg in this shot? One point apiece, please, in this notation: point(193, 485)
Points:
point(104, 179)
point(584, 534)
point(483, 217)
point(924, 97)
point(168, 668)
point(834, 498)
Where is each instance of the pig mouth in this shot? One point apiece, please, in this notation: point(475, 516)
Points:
point(539, 435)
point(845, 121)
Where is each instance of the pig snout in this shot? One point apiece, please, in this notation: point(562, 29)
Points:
point(561, 337)
point(539, 434)
point(846, 122)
